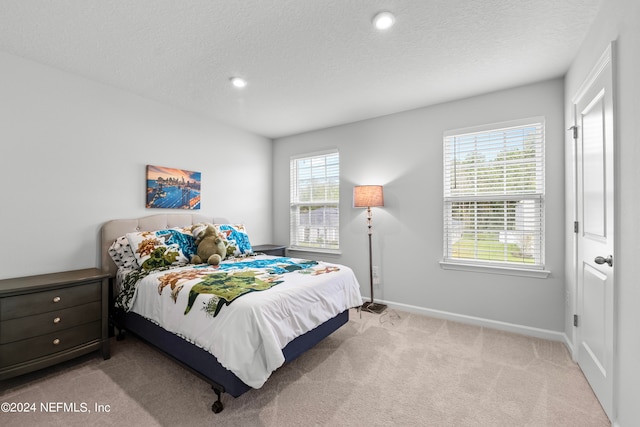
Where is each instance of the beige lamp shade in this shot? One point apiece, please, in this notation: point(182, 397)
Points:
point(367, 196)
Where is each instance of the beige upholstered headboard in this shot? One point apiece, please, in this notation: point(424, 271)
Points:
point(115, 228)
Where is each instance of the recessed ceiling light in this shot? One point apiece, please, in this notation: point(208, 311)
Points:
point(384, 20)
point(238, 82)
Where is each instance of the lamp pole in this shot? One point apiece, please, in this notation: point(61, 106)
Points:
point(370, 254)
point(371, 306)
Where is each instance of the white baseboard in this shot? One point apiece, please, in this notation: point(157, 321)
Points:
point(487, 323)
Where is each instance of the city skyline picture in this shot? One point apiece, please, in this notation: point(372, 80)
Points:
point(171, 188)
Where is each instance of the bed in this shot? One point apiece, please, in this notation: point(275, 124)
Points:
point(232, 325)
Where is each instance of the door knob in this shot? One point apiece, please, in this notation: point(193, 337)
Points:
point(601, 260)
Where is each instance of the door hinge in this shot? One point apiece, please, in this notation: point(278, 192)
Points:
point(574, 129)
point(575, 320)
point(576, 226)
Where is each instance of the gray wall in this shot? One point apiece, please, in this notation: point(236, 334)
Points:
point(403, 152)
point(618, 20)
point(73, 155)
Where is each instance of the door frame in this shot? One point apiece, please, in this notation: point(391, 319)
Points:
point(608, 57)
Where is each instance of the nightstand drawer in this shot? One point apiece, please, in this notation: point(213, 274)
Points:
point(32, 348)
point(50, 318)
point(43, 302)
point(274, 250)
point(45, 323)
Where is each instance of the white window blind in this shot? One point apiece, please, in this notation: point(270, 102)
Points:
point(314, 197)
point(494, 195)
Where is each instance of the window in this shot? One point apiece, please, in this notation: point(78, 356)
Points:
point(315, 192)
point(494, 195)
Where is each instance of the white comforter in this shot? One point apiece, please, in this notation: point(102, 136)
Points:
point(248, 335)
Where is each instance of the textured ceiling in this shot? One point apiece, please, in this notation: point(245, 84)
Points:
point(310, 63)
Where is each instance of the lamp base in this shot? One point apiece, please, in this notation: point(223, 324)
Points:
point(373, 307)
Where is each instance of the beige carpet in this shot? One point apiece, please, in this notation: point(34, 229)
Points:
point(409, 370)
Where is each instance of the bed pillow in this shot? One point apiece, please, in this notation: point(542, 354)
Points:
point(121, 253)
point(176, 246)
point(236, 239)
point(184, 238)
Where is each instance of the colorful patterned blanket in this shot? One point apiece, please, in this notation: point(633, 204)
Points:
point(224, 284)
point(243, 312)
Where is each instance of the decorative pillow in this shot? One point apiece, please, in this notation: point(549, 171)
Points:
point(184, 239)
point(159, 248)
point(236, 239)
point(121, 253)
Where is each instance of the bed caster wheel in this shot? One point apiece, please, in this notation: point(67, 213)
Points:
point(217, 407)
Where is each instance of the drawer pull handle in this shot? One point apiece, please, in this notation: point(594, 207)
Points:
point(56, 320)
point(56, 299)
point(56, 341)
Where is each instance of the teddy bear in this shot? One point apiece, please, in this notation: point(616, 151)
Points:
point(210, 245)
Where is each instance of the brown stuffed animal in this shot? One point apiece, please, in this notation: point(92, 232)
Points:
point(210, 246)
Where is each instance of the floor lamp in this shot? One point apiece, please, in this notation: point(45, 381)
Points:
point(368, 196)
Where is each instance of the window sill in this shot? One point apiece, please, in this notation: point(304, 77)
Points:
point(509, 271)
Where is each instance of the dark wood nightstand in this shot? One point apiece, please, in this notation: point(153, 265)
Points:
point(51, 318)
point(275, 250)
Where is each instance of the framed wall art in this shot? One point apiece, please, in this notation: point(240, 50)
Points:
point(170, 188)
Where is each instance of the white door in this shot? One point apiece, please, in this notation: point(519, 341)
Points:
point(595, 209)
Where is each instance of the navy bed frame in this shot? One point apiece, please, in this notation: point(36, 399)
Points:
point(204, 364)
